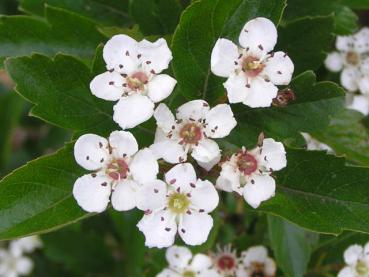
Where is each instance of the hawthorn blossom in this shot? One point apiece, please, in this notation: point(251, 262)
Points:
point(359, 103)
point(25, 245)
point(248, 172)
point(180, 204)
point(352, 60)
point(313, 144)
point(119, 170)
point(133, 78)
point(225, 261)
point(193, 130)
point(255, 262)
point(357, 261)
point(253, 71)
point(183, 264)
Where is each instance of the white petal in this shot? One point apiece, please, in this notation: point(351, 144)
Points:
point(344, 43)
point(279, 68)
point(160, 87)
point(360, 103)
point(260, 93)
point(201, 263)
point(220, 121)
point(123, 197)
point(236, 88)
point(210, 164)
point(194, 228)
point(90, 151)
point(259, 32)
point(361, 42)
point(168, 149)
point(273, 154)
point(270, 267)
point(352, 254)
point(120, 54)
point(334, 62)
point(195, 109)
point(347, 272)
point(178, 257)
point(205, 151)
point(155, 55)
point(254, 254)
point(204, 196)
point(152, 196)
point(167, 272)
point(133, 110)
point(262, 189)
point(182, 175)
point(223, 57)
point(92, 193)
point(144, 166)
point(159, 229)
point(364, 85)
point(229, 178)
point(366, 249)
point(25, 245)
point(123, 143)
point(164, 117)
point(24, 265)
point(107, 86)
point(350, 78)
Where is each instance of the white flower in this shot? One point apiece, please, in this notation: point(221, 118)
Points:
point(359, 103)
point(255, 262)
point(248, 172)
point(182, 203)
point(357, 260)
point(133, 78)
point(119, 170)
point(253, 72)
point(13, 264)
point(196, 124)
point(225, 261)
point(183, 264)
point(350, 57)
point(313, 144)
point(25, 245)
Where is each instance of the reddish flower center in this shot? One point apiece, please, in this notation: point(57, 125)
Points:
point(352, 58)
point(137, 81)
point(226, 263)
point(117, 170)
point(247, 163)
point(252, 66)
point(190, 133)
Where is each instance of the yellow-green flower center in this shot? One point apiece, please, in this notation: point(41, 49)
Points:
point(189, 273)
point(352, 58)
point(178, 202)
point(362, 268)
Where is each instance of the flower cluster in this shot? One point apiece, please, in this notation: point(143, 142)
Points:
point(13, 261)
point(357, 261)
point(127, 177)
point(223, 263)
point(352, 60)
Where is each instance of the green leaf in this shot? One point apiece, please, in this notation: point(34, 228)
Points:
point(61, 32)
point(37, 198)
point(59, 90)
point(319, 192)
point(158, 17)
point(113, 12)
point(312, 110)
point(347, 135)
point(292, 246)
point(307, 51)
point(345, 19)
point(200, 26)
point(11, 106)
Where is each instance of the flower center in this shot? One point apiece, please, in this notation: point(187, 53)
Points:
point(190, 133)
point(252, 66)
point(258, 274)
point(117, 170)
point(188, 273)
point(257, 270)
point(226, 263)
point(352, 58)
point(178, 203)
point(361, 268)
point(137, 81)
point(247, 163)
